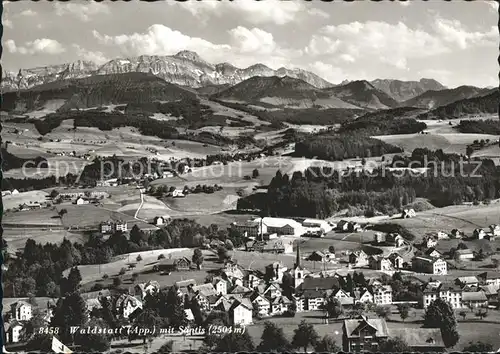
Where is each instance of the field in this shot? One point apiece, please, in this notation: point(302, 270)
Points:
point(462, 217)
point(16, 237)
point(13, 201)
point(43, 216)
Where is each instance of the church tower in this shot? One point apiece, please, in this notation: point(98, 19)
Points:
point(298, 271)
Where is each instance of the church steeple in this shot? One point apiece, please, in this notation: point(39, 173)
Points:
point(297, 260)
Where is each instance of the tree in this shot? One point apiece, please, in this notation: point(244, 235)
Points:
point(304, 336)
point(161, 256)
point(139, 258)
point(147, 319)
point(134, 277)
point(333, 307)
point(463, 314)
point(404, 310)
point(327, 344)
point(74, 279)
point(167, 347)
point(383, 311)
point(440, 314)
point(235, 342)
point(54, 194)
point(62, 212)
point(136, 235)
point(255, 173)
point(273, 339)
point(117, 282)
point(331, 249)
point(174, 309)
point(198, 258)
point(394, 345)
point(478, 347)
point(94, 342)
point(70, 311)
point(222, 253)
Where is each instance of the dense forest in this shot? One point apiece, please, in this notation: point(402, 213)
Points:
point(321, 191)
point(489, 126)
point(487, 104)
point(147, 126)
point(339, 147)
point(315, 116)
point(10, 161)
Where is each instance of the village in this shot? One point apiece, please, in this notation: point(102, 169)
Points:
point(348, 283)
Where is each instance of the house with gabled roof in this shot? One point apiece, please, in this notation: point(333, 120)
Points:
point(358, 258)
point(396, 260)
point(432, 252)
point(240, 312)
point(12, 330)
point(261, 303)
point(380, 263)
point(21, 311)
point(363, 334)
point(363, 296)
point(280, 305)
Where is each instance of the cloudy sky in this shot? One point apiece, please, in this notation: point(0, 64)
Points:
point(341, 40)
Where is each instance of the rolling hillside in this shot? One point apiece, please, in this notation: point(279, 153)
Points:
point(405, 90)
point(280, 92)
point(94, 91)
point(433, 99)
point(487, 104)
point(363, 94)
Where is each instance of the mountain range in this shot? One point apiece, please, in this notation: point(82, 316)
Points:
point(404, 90)
point(432, 99)
point(185, 68)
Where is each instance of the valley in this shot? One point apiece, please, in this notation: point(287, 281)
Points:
point(129, 175)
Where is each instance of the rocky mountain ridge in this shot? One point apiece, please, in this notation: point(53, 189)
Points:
point(185, 68)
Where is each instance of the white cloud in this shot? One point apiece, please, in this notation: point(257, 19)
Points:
point(160, 40)
point(272, 11)
point(393, 44)
point(327, 71)
point(38, 46)
point(84, 12)
point(28, 13)
point(253, 41)
point(318, 12)
point(451, 31)
point(96, 57)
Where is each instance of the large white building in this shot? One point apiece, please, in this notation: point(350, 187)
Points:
point(268, 225)
point(425, 264)
point(449, 293)
point(313, 225)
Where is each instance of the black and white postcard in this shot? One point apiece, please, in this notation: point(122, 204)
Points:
point(250, 176)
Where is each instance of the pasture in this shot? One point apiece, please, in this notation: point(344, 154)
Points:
point(31, 197)
point(16, 237)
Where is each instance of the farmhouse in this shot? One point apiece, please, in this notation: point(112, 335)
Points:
point(21, 311)
point(241, 312)
point(467, 281)
point(314, 224)
point(81, 201)
point(249, 229)
point(479, 234)
point(448, 292)
point(161, 220)
point(395, 239)
point(173, 264)
point(474, 299)
point(178, 193)
point(380, 263)
point(464, 254)
point(363, 296)
point(425, 264)
point(12, 331)
point(432, 252)
point(382, 295)
point(282, 226)
point(110, 226)
point(363, 334)
point(148, 288)
point(408, 213)
point(379, 238)
point(261, 304)
point(396, 260)
point(126, 304)
point(455, 233)
point(495, 230)
point(358, 258)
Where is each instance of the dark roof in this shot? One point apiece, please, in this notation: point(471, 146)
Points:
point(320, 283)
point(378, 324)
